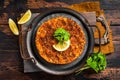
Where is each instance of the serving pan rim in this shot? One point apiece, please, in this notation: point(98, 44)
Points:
point(91, 40)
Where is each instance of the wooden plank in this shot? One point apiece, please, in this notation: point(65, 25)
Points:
point(116, 47)
point(115, 32)
point(11, 66)
point(107, 74)
point(8, 44)
point(42, 3)
point(4, 46)
point(70, 1)
point(5, 28)
point(110, 1)
point(9, 56)
point(4, 18)
point(13, 75)
point(113, 16)
point(110, 4)
point(116, 38)
point(16, 75)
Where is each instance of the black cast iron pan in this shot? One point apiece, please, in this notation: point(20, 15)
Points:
point(63, 69)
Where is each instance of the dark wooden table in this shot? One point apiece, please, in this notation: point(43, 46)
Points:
point(11, 64)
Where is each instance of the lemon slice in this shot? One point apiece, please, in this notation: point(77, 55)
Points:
point(13, 26)
point(62, 47)
point(26, 17)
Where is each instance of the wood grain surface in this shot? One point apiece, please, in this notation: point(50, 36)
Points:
point(11, 66)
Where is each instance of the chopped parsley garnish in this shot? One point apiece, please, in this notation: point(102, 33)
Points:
point(61, 35)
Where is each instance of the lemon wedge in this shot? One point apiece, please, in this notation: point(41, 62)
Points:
point(62, 47)
point(13, 26)
point(26, 17)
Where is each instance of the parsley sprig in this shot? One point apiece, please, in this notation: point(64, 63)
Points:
point(97, 61)
point(61, 35)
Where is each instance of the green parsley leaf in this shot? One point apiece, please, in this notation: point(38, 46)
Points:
point(97, 61)
point(61, 35)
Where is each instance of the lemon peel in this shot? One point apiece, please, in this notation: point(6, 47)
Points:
point(26, 17)
point(62, 47)
point(13, 26)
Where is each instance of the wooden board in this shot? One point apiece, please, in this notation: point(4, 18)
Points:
point(28, 64)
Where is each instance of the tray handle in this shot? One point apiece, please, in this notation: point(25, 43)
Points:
point(21, 49)
point(99, 39)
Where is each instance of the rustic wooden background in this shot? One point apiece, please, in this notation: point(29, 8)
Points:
point(11, 66)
